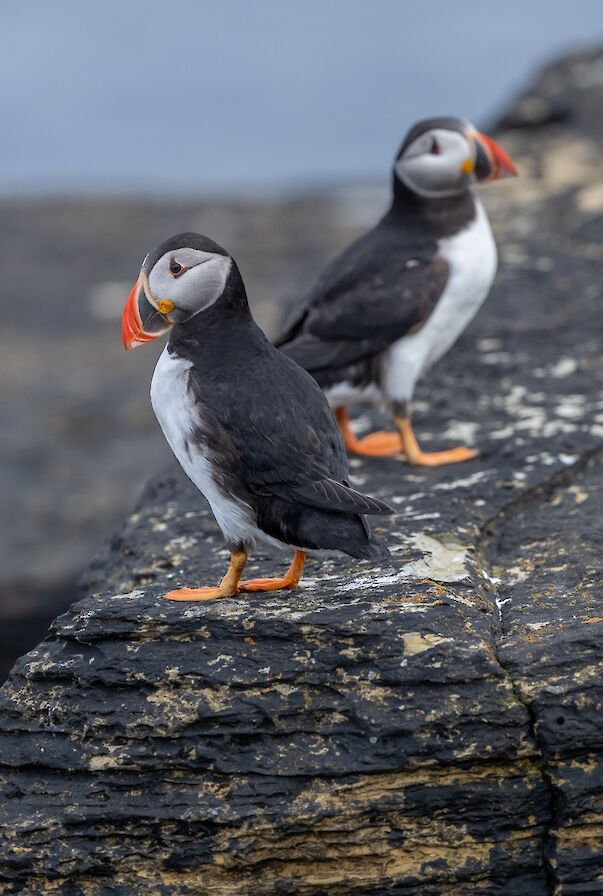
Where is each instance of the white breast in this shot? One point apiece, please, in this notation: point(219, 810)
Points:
point(179, 418)
point(471, 257)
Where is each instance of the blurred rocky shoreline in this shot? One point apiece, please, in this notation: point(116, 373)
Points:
point(79, 435)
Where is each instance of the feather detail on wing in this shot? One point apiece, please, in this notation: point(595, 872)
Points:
point(326, 494)
point(366, 300)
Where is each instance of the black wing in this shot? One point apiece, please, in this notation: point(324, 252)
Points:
point(284, 432)
point(366, 299)
point(327, 494)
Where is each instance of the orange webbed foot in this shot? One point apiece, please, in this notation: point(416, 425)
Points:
point(416, 456)
point(376, 444)
point(440, 458)
point(197, 594)
point(228, 587)
point(288, 582)
point(267, 584)
point(231, 586)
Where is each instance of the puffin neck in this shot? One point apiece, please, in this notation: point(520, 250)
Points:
point(441, 217)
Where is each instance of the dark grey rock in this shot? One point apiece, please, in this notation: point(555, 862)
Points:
point(567, 92)
point(435, 728)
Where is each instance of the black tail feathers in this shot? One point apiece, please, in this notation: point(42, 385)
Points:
point(328, 494)
point(371, 550)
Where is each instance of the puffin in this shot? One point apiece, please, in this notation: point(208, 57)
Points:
point(250, 428)
point(392, 303)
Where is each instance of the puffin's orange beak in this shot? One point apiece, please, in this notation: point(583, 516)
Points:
point(491, 161)
point(140, 321)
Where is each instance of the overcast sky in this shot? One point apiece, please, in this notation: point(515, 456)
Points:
point(190, 96)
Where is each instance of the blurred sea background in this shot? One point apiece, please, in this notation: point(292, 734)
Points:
point(271, 127)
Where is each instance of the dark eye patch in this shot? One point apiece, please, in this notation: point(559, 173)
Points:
point(435, 149)
point(176, 268)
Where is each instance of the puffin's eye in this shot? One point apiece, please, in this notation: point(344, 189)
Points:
point(435, 149)
point(175, 268)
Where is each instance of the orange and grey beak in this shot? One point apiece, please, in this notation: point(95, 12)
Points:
point(142, 321)
point(491, 161)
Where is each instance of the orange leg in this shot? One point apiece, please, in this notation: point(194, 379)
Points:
point(289, 581)
point(377, 444)
point(420, 458)
point(228, 587)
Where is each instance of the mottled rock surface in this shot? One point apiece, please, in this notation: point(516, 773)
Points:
point(433, 728)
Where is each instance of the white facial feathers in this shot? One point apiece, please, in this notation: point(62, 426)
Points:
point(433, 163)
point(198, 285)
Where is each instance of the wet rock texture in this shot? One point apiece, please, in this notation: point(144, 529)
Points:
point(433, 728)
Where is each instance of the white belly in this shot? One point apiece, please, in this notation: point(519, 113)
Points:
point(179, 418)
point(471, 256)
